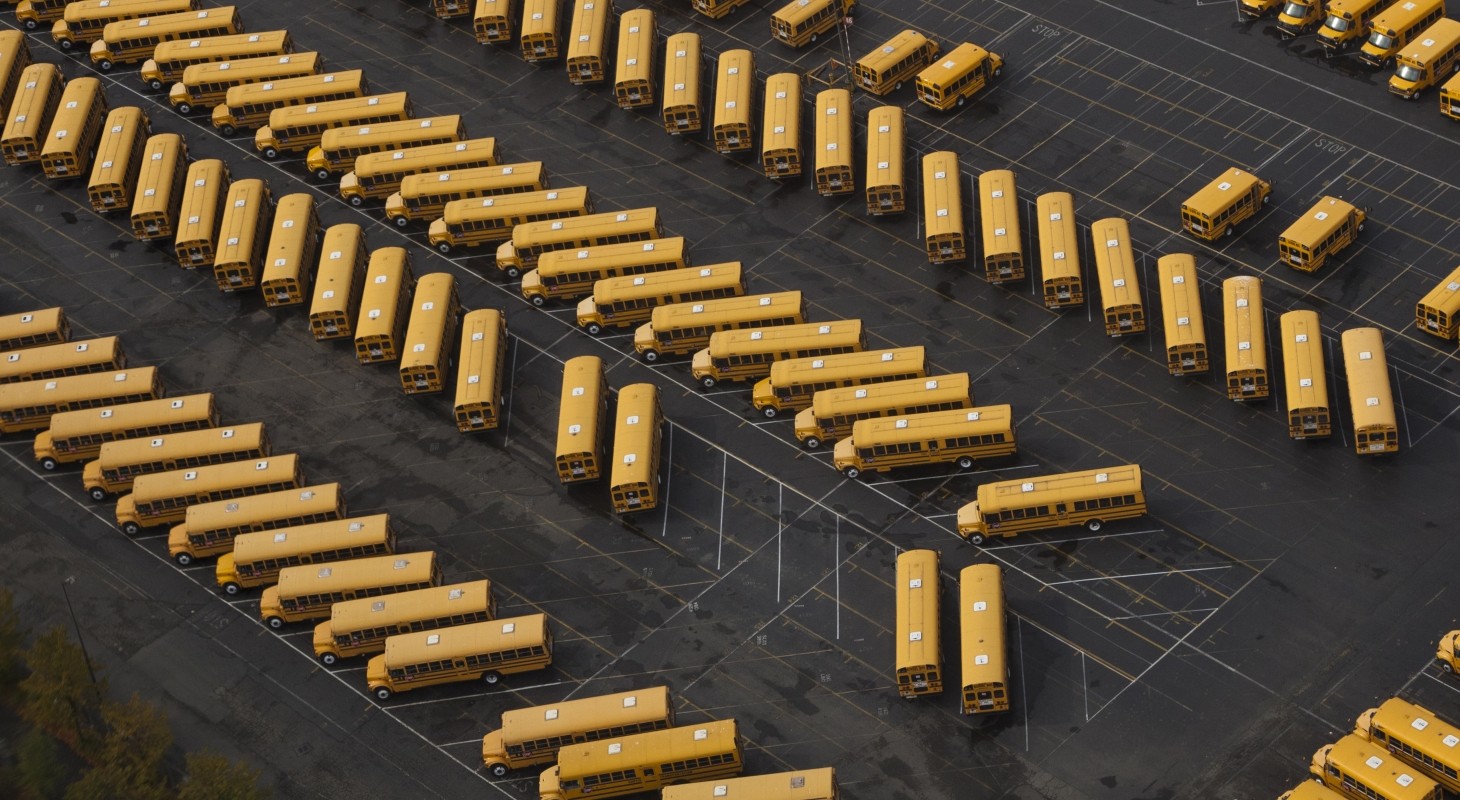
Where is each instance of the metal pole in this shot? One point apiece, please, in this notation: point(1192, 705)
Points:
point(77, 627)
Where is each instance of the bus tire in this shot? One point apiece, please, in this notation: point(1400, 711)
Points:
point(31, 24)
point(491, 678)
point(1361, 227)
point(401, 222)
point(708, 382)
point(513, 272)
point(328, 659)
point(183, 559)
point(897, 86)
point(382, 693)
point(231, 588)
point(49, 464)
point(444, 247)
point(998, 71)
point(1094, 525)
point(1447, 667)
point(228, 130)
point(770, 412)
point(650, 356)
point(539, 301)
point(155, 85)
point(960, 101)
point(975, 538)
point(852, 472)
point(67, 44)
point(593, 328)
point(964, 462)
point(184, 108)
point(271, 153)
point(814, 37)
point(498, 770)
point(356, 200)
point(105, 65)
point(97, 493)
point(324, 175)
point(812, 442)
point(1228, 231)
point(276, 622)
point(131, 528)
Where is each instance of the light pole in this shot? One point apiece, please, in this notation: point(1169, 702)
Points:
point(77, 627)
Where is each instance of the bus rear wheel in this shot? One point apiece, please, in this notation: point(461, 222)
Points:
point(1094, 525)
point(498, 770)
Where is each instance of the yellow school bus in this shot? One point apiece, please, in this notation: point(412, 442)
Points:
point(385, 303)
point(568, 274)
point(998, 205)
point(290, 251)
point(637, 434)
point(425, 195)
point(834, 411)
point(1245, 330)
point(532, 736)
point(170, 60)
point(163, 498)
point(801, 22)
point(75, 129)
point(159, 186)
point(257, 558)
point(1450, 98)
point(943, 233)
point(206, 85)
point(1090, 498)
point(435, 312)
point(307, 592)
point(360, 627)
point(36, 99)
point(84, 21)
point(1230, 199)
point(747, 354)
point(478, 221)
point(681, 328)
point(539, 38)
point(338, 283)
point(492, 21)
point(1299, 16)
point(962, 73)
point(896, 60)
point(582, 420)
point(885, 158)
point(481, 371)
point(1371, 403)
point(1304, 374)
point(1255, 9)
point(1060, 278)
point(1310, 790)
point(1186, 333)
point(242, 235)
point(102, 354)
point(985, 684)
point(29, 405)
point(627, 300)
point(133, 40)
point(1416, 736)
point(14, 58)
point(681, 109)
point(531, 239)
point(1396, 26)
point(961, 436)
point(1427, 59)
point(715, 9)
point(1359, 769)
point(780, 142)
point(1120, 287)
point(644, 761)
point(734, 90)
point(120, 462)
point(588, 41)
point(446, 9)
point(378, 175)
point(834, 143)
point(249, 105)
point(918, 664)
point(339, 147)
point(633, 76)
point(78, 435)
point(481, 651)
point(119, 157)
point(1347, 23)
point(1438, 312)
point(209, 528)
point(1324, 230)
point(1447, 652)
point(33, 13)
point(32, 328)
point(804, 784)
point(299, 128)
point(204, 192)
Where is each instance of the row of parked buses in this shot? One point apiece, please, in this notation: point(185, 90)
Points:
point(1414, 36)
point(1397, 751)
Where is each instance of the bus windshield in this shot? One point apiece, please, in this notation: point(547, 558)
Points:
point(1337, 23)
point(1408, 72)
point(1383, 41)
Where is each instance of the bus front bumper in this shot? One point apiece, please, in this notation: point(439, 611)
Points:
point(700, 365)
point(316, 160)
point(323, 641)
point(44, 447)
point(532, 285)
point(968, 520)
point(127, 511)
point(763, 396)
point(350, 186)
point(587, 307)
point(223, 571)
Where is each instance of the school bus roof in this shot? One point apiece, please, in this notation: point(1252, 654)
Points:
point(411, 606)
point(220, 46)
point(1376, 767)
point(811, 784)
point(312, 538)
point(892, 394)
point(655, 284)
point(899, 360)
point(1434, 40)
point(586, 714)
point(917, 608)
point(412, 158)
point(655, 747)
point(395, 102)
point(240, 70)
point(611, 255)
point(932, 425)
point(1063, 486)
point(507, 205)
point(953, 64)
point(1222, 191)
point(356, 573)
point(211, 477)
point(1326, 216)
point(791, 338)
point(129, 415)
point(727, 307)
point(460, 641)
point(25, 323)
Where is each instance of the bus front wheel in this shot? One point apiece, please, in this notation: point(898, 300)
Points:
point(965, 462)
point(184, 108)
point(230, 588)
point(97, 493)
point(155, 85)
point(708, 381)
point(401, 222)
point(1094, 525)
point(67, 44)
point(356, 200)
point(105, 65)
point(650, 356)
point(491, 678)
point(1447, 667)
point(49, 464)
point(812, 442)
point(31, 24)
point(539, 301)
point(324, 175)
point(228, 130)
point(183, 559)
point(513, 272)
point(276, 622)
point(852, 472)
point(975, 538)
point(444, 247)
point(593, 328)
point(498, 770)
point(271, 153)
point(382, 693)
point(328, 659)
point(131, 528)
point(770, 412)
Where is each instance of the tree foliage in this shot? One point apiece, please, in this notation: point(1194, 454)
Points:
point(12, 647)
point(39, 771)
point(129, 765)
point(58, 696)
point(213, 777)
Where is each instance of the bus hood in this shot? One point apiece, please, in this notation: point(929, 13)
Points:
point(492, 748)
point(644, 337)
point(531, 283)
point(177, 540)
point(349, 183)
point(548, 787)
point(269, 603)
point(126, 510)
point(264, 137)
point(224, 572)
point(699, 365)
point(324, 642)
point(587, 307)
point(394, 205)
point(178, 94)
point(762, 395)
point(805, 423)
point(315, 159)
point(43, 445)
point(91, 473)
point(842, 453)
point(968, 518)
point(375, 671)
point(1446, 649)
point(222, 114)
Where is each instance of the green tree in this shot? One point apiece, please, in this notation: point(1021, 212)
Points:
point(39, 772)
point(213, 777)
point(58, 696)
point(129, 765)
point(12, 648)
